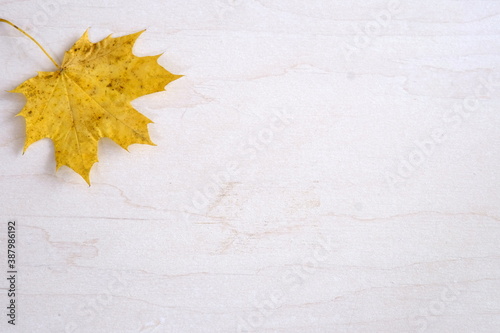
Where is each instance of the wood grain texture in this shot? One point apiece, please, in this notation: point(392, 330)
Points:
point(323, 166)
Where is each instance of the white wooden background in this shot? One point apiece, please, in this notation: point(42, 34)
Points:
point(323, 166)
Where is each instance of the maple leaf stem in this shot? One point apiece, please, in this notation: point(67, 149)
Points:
point(27, 35)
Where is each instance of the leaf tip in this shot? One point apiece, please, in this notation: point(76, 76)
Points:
point(135, 35)
point(85, 36)
point(25, 148)
point(86, 177)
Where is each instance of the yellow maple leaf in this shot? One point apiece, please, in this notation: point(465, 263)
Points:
point(88, 98)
